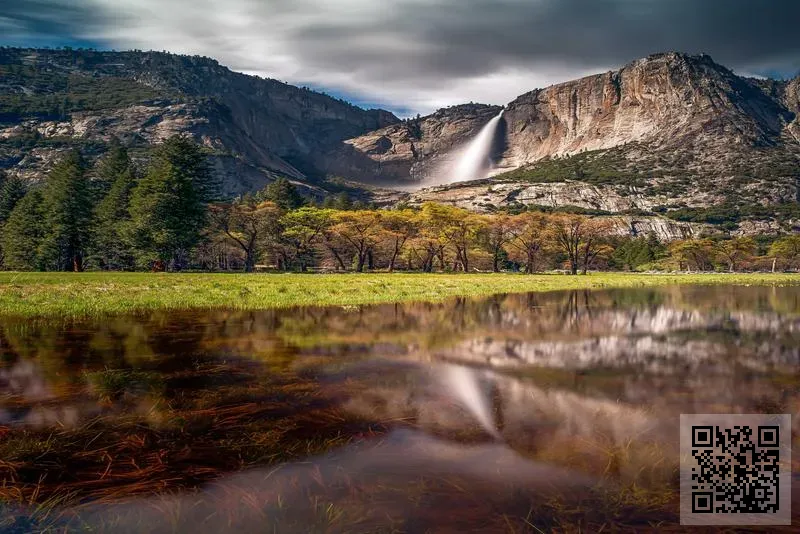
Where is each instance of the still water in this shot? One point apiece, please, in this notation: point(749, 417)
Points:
point(515, 413)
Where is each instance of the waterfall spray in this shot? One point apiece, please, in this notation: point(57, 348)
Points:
point(474, 162)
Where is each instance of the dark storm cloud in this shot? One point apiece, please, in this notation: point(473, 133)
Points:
point(430, 53)
point(46, 22)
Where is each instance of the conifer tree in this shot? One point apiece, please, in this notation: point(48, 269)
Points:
point(110, 248)
point(114, 163)
point(23, 233)
point(282, 193)
point(67, 212)
point(168, 206)
point(12, 189)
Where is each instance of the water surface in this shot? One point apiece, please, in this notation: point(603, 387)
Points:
point(509, 414)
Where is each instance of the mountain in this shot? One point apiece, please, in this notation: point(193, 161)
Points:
point(670, 134)
point(255, 129)
point(666, 132)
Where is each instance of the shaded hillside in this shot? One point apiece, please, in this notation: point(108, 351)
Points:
point(254, 128)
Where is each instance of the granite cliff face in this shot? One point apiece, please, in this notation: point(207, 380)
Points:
point(411, 150)
point(255, 128)
point(663, 133)
point(666, 130)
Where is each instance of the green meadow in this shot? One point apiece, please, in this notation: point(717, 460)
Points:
point(96, 294)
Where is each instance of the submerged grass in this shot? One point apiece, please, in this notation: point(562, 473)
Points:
point(97, 294)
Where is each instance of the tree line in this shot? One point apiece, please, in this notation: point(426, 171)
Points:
point(168, 216)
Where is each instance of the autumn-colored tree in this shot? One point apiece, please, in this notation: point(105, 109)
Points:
point(733, 251)
point(302, 229)
point(592, 245)
point(496, 232)
point(399, 226)
point(787, 250)
point(361, 230)
point(580, 239)
point(451, 227)
point(529, 239)
point(248, 224)
point(693, 253)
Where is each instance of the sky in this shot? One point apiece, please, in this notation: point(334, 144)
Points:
point(415, 56)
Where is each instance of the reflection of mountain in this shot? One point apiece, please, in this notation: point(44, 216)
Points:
point(715, 335)
point(577, 384)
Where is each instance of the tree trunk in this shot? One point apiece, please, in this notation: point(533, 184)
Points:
point(249, 261)
point(574, 266)
point(77, 263)
point(395, 252)
point(495, 263)
point(774, 261)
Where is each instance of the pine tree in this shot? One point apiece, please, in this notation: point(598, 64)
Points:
point(168, 207)
point(23, 233)
point(111, 166)
point(109, 246)
point(12, 189)
point(67, 206)
point(282, 193)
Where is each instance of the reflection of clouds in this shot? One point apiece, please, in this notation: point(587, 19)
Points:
point(24, 378)
point(370, 484)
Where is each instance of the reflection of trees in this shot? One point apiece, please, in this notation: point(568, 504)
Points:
point(165, 341)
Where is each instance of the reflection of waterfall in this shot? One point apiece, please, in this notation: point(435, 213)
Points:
point(463, 382)
point(474, 162)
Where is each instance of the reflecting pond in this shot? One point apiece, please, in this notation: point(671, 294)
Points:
point(515, 413)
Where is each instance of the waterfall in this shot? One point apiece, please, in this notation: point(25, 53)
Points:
point(474, 162)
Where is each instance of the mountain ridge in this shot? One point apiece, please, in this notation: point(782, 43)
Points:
point(661, 134)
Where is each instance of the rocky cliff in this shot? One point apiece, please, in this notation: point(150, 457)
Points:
point(254, 128)
point(662, 135)
point(669, 130)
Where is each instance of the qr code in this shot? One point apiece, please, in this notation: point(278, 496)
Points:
point(732, 469)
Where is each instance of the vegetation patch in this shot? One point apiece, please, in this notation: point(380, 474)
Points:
point(94, 294)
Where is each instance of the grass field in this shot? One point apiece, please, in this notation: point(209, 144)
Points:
point(93, 294)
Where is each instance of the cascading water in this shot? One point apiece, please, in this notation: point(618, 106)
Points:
point(475, 161)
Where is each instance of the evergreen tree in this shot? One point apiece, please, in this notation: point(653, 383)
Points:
point(282, 193)
point(168, 206)
point(12, 189)
point(111, 166)
point(67, 206)
point(110, 248)
point(23, 233)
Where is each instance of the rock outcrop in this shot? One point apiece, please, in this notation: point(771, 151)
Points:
point(666, 130)
point(255, 128)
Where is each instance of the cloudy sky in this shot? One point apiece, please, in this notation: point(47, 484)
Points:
point(415, 56)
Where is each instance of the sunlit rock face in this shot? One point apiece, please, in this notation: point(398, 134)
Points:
point(414, 151)
point(671, 128)
point(674, 98)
